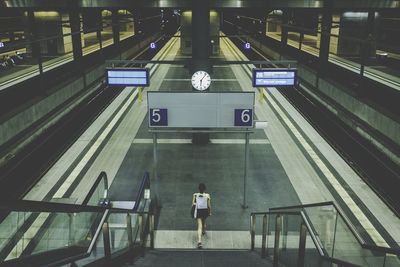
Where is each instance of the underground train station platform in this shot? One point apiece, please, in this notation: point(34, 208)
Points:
point(100, 160)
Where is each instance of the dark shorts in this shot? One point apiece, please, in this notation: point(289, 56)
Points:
point(202, 213)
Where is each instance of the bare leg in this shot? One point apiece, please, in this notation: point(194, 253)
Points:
point(203, 230)
point(199, 229)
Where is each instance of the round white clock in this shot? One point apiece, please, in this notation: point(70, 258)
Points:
point(201, 80)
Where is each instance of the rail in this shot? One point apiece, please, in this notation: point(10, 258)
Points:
point(319, 228)
point(348, 223)
point(78, 229)
point(101, 178)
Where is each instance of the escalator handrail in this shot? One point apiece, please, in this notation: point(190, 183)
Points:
point(102, 177)
point(145, 183)
point(348, 223)
point(51, 207)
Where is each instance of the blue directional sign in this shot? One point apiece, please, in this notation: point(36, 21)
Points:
point(128, 77)
point(247, 45)
point(274, 77)
point(158, 117)
point(244, 117)
point(152, 45)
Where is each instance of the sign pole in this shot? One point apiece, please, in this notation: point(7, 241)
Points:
point(155, 154)
point(246, 161)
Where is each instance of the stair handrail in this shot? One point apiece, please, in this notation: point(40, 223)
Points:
point(309, 226)
point(349, 224)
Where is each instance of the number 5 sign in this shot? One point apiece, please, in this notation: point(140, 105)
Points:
point(244, 117)
point(158, 117)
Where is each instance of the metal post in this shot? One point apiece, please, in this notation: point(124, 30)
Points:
point(129, 229)
point(334, 235)
point(140, 97)
point(152, 231)
point(264, 236)
point(70, 228)
point(155, 154)
point(276, 242)
point(302, 245)
point(252, 230)
point(141, 231)
point(246, 163)
point(285, 220)
point(106, 239)
point(261, 97)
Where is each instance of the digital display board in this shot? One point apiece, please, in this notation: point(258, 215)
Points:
point(128, 77)
point(274, 77)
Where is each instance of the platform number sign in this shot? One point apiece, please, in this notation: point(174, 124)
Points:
point(152, 45)
point(158, 117)
point(244, 117)
point(247, 46)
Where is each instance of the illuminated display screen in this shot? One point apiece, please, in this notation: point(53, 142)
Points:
point(128, 77)
point(274, 77)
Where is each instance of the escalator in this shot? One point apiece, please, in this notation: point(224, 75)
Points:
point(53, 234)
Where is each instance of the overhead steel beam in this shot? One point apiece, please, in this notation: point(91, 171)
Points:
point(270, 4)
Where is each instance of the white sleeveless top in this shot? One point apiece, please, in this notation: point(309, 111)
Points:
point(202, 200)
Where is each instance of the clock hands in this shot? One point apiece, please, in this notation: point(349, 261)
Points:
point(201, 80)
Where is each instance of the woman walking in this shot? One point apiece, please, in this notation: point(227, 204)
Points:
point(202, 209)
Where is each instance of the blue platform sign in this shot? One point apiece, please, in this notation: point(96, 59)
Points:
point(244, 117)
point(274, 77)
point(247, 45)
point(158, 117)
point(153, 45)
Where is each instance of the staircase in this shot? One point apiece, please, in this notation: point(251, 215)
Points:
point(201, 258)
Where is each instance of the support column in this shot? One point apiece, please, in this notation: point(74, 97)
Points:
point(35, 45)
point(326, 26)
point(285, 21)
point(201, 35)
point(367, 47)
point(200, 49)
point(115, 26)
point(75, 22)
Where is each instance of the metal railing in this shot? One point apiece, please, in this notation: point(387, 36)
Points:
point(335, 239)
point(79, 234)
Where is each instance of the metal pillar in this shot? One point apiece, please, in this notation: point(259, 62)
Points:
point(302, 245)
point(253, 230)
point(264, 236)
point(278, 225)
point(246, 166)
point(129, 230)
point(151, 227)
point(106, 240)
point(155, 160)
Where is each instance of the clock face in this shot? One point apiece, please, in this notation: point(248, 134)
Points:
point(201, 80)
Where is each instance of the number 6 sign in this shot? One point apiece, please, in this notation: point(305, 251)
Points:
point(158, 117)
point(244, 117)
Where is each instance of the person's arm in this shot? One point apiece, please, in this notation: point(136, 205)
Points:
point(193, 199)
point(209, 205)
